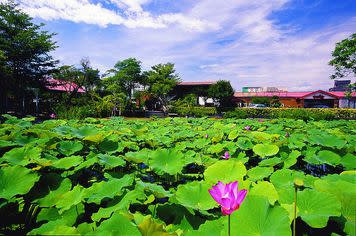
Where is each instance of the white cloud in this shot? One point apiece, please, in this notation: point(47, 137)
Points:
point(210, 40)
point(130, 13)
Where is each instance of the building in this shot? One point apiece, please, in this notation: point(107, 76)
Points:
point(317, 98)
point(261, 89)
point(200, 89)
point(340, 86)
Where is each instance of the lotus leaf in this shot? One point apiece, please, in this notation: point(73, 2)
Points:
point(16, 180)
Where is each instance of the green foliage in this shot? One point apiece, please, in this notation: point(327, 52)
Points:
point(25, 53)
point(261, 100)
point(222, 91)
point(344, 58)
point(292, 113)
point(161, 79)
point(194, 111)
point(151, 177)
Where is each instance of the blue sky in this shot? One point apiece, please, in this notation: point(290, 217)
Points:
point(282, 43)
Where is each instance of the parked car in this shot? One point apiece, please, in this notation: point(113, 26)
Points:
point(257, 106)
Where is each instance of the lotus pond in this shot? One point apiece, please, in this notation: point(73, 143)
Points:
point(152, 177)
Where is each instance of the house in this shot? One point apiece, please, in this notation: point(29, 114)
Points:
point(301, 99)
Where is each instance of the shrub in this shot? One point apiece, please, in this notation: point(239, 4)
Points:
point(292, 113)
point(194, 111)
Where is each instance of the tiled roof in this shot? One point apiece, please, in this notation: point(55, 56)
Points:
point(290, 94)
point(60, 85)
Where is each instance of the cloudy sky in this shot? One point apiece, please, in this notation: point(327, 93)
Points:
point(283, 43)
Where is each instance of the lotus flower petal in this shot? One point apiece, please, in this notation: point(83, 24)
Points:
point(228, 196)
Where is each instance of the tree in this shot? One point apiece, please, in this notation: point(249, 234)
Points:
point(127, 74)
point(222, 92)
point(161, 79)
point(275, 102)
point(344, 58)
point(25, 50)
point(91, 77)
point(75, 78)
point(261, 100)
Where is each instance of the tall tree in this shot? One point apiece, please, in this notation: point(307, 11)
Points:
point(222, 91)
point(127, 74)
point(161, 79)
point(25, 51)
point(344, 58)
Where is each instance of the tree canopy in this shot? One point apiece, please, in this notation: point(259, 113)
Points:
point(24, 52)
point(344, 58)
point(222, 92)
point(161, 79)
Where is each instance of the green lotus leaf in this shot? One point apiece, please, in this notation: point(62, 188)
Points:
point(67, 162)
point(55, 195)
point(86, 228)
point(141, 156)
point(108, 146)
point(69, 217)
point(96, 138)
point(257, 217)
point(216, 148)
point(130, 197)
point(266, 189)
point(167, 161)
point(244, 143)
point(22, 156)
point(6, 143)
point(195, 195)
point(265, 150)
point(57, 227)
point(315, 207)
point(349, 161)
point(210, 228)
point(326, 140)
point(344, 191)
point(225, 171)
point(233, 134)
point(69, 147)
point(85, 131)
point(350, 228)
point(16, 180)
point(259, 173)
point(324, 157)
point(270, 162)
point(262, 136)
point(291, 159)
point(149, 227)
point(113, 187)
point(70, 199)
point(117, 224)
point(283, 181)
point(110, 161)
point(157, 190)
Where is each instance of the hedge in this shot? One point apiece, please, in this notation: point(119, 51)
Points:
point(194, 111)
point(293, 113)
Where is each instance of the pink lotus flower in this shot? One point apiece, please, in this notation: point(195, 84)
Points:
point(248, 127)
point(226, 155)
point(206, 136)
point(287, 135)
point(228, 196)
point(52, 115)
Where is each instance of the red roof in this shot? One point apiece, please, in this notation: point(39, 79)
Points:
point(60, 85)
point(197, 83)
point(290, 94)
